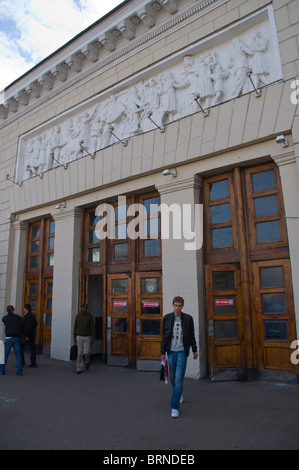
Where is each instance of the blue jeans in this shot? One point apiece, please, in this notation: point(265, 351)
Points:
point(177, 362)
point(14, 343)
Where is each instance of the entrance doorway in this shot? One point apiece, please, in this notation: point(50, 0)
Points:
point(39, 278)
point(249, 297)
point(123, 275)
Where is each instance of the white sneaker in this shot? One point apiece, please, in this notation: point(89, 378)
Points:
point(181, 400)
point(175, 413)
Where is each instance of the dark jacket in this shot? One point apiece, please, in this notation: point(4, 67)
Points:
point(13, 325)
point(29, 325)
point(188, 333)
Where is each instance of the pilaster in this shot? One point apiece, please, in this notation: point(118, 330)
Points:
point(287, 165)
point(66, 280)
point(183, 268)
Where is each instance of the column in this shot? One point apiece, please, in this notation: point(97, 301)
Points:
point(16, 269)
point(183, 268)
point(66, 280)
point(290, 190)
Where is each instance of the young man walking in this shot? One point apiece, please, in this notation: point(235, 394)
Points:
point(84, 333)
point(177, 338)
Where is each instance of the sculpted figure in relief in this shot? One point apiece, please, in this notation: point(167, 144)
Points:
point(260, 68)
point(57, 142)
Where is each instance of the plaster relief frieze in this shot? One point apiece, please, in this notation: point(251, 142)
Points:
point(210, 73)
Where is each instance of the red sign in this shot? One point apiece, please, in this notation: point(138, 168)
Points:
point(118, 303)
point(224, 301)
point(151, 304)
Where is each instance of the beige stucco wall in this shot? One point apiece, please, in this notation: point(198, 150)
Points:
point(236, 132)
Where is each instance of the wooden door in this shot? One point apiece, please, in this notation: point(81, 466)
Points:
point(246, 234)
point(47, 315)
point(225, 322)
point(149, 318)
point(33, 297)
point(120, 320)
point(274, 315)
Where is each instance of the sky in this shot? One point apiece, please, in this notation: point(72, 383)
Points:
point(30, 30)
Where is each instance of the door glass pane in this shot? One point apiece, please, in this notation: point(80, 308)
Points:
point(49, 304)
point(220, 213)
point(268, 231)
point(33, 289)
point(121, 251)
point(35, 232)
point(150, 306)
point(276, 330)
point(150, 285)
point(151, 205)
point(263, 181)
point(94, 255)
point(48, 320)
point(218, 190)
point(119, 325)
point(224, 280)
point(222, 237)
point(121, 212)
point(224, 304)
point(152, 248)
point(265, 206)
point(92, 236)
point(50, 288)
point(151, 226)
point(119, 306)
point(119, 286)
point(51, 259)
point(33, 262)
point(51, 243)
point(93, 220)
point(121, 232)
point(274, 303)
point(151, 327)
point(272, 276)
point(226, 329)
point(33, 304)
point(52, 227)
point(34, 247)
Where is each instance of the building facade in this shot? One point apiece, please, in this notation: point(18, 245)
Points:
point(156, 154)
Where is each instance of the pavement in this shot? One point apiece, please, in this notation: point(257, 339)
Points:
point(113, 408)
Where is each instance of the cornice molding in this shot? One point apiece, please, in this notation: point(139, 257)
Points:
point(85, 61)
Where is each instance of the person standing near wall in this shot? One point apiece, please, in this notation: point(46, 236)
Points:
point(13, 333)
point(177, 338)
point(84, 334)
point(29, 331)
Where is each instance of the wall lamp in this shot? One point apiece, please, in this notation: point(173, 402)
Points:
point(258, 92)
point(61, 205)
point(11, 218)
point(281, 139)
point(168, 172)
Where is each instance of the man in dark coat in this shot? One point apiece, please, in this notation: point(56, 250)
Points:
point(13, 333)
point(29, 331)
